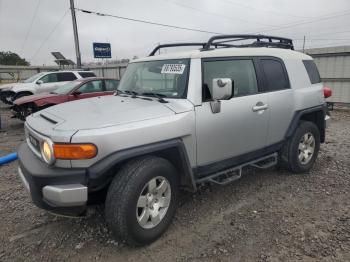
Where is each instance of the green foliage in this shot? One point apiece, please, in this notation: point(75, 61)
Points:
point(9, 58)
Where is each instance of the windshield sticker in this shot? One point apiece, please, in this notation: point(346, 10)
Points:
point(173, 69)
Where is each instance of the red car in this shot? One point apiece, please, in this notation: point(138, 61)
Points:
point(78, 89)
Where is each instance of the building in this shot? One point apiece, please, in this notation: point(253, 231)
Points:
point(334, 66)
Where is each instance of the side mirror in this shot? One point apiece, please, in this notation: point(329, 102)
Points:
point(222, 90)
point(76, 93)
point(39, 82)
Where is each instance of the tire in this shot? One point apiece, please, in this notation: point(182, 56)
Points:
point(293, 155)
point(129, 190)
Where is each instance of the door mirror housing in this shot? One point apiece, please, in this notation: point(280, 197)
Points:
point(39, 82)
point(222, 90)
point(76, 93)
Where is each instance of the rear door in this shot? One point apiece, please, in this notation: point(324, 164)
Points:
point(280, 97)
point(240, 127)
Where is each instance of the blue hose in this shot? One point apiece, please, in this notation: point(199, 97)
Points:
point(8, 158)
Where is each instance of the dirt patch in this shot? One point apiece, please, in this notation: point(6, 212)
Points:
point(268, 215)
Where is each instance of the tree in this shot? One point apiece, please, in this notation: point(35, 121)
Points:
point(9, 58)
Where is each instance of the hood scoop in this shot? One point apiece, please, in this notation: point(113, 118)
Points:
point(49, 119)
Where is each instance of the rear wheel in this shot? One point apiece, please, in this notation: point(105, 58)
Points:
point(300, 153)
point(142, 200)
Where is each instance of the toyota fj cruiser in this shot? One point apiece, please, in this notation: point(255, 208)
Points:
point(178, 120)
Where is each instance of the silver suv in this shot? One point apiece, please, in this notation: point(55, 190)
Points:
point(178, 120)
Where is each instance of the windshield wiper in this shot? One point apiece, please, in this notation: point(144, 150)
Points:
point(132, 93)
point(157, 95)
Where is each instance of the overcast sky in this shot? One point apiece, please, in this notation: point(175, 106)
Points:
point(27, 32)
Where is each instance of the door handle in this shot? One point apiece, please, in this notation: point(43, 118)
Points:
point(260, 106)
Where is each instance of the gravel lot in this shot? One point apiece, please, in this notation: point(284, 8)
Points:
point(268, 215)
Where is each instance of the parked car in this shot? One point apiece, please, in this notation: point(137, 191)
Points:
point(40, 83)
point(75, 90)
point(177, 120)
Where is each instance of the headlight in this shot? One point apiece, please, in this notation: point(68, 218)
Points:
point(47, 152)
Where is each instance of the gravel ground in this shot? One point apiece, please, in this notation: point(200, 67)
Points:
point(268, 215)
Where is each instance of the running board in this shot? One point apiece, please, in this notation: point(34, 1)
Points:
point(229, 175)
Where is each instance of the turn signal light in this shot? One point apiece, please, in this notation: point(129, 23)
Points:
point(74, 151)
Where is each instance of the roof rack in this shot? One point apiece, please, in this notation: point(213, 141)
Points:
point(261, 41)
point(187, 44)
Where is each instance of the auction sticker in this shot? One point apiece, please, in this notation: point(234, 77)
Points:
point(173, 69)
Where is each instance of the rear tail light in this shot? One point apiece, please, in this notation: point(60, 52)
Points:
point(327, 92)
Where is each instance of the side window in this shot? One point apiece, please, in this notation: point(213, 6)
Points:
point(86, 74)
point(91, 87)
point(63, 77)
point(49, 78)
point(312, 71)
point(275, 75)
point(241, 72)
point(111, 85)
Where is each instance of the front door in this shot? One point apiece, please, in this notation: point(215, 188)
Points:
point(242, 124)
point(88, 89)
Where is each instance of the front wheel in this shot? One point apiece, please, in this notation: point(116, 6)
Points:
point(142, 200)
point(301, 151)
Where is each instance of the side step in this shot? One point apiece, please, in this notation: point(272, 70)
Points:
point(229, 175)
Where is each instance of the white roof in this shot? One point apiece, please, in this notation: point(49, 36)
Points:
point(226, 52)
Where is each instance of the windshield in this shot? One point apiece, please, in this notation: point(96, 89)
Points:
point(66, 88)
point(166, 78)
point(33, 78)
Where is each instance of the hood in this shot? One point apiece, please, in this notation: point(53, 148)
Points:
point(33, 98)
point(15, 86)
point(99, 112)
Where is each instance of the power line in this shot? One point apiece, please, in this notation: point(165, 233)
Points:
point(148, 22)
point(220, 15)
point(323, 18)
point(260, 10)
point(49, 35)
point(30, 25)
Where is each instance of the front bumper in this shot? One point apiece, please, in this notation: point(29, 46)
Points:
point(60, 190)
point(7, 97)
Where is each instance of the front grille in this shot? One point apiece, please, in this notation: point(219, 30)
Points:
point(33, 140)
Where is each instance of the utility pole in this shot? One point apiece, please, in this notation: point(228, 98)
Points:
point(304, 45)
point(75, 31)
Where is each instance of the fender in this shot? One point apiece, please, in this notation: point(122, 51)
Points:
point(102, 172)
point(298, 115)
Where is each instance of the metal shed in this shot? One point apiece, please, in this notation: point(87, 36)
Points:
point(334, 66)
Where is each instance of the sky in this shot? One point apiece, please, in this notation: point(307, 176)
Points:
point(34, 28)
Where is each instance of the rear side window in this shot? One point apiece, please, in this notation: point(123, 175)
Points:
point(312, 71)
point(111, 85)
point(62, 77)
point(275, 75)
point(241, 72)
point(86, 74)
